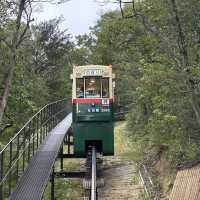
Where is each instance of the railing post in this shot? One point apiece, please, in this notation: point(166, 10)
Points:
point(37, 129)
point(49, 119)
point(40, 122)
point(24, 143)
point(17, 157)
point(52, 185)
point(29, 141)
point(48, 116)
point(33, 138)
point(10, 165)
point(45, 125)
point(51, 113)
point(1, 175)
point(44, 116)
point(54, 118)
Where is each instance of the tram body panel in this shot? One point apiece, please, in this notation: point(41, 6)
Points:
point(100, 134)
point(93, 109)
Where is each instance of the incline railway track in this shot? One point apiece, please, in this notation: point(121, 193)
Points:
point(90, 181)
point(94, 175)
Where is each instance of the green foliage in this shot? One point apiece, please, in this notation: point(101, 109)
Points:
point(41, 74)
point(148, 58)
point(66, 188)
point(150, 76)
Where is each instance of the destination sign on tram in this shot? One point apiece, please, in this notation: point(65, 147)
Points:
point(93, 72)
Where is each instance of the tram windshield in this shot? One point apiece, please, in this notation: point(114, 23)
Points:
point(92, 87)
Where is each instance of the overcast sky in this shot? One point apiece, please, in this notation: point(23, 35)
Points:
point(79, 15)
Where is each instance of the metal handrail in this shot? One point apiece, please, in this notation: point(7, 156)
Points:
point(15, 156)
point(118, 116)
point(147, 182)
point(30, 120)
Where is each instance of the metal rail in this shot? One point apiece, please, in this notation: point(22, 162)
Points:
point(120, 116)
point(16, 155)
point(94, 175)
point(147, 182)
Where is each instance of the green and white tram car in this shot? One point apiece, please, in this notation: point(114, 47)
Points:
point(92, 99)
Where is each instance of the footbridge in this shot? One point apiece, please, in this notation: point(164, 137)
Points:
point(27, 161)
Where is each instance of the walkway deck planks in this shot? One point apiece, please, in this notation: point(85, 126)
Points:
point(187, 184)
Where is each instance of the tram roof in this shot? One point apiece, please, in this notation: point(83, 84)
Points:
point(92, 66)
point(92, 70)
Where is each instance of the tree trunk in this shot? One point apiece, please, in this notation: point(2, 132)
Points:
point(13, 47)
point(7, 85)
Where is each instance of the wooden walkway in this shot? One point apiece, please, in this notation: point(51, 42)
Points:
point(187, 185)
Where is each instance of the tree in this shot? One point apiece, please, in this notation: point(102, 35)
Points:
point(13, 40)
point(52, 56)
point(41, 74)
point(178, 35)
point(154, 48)
point(13, 31)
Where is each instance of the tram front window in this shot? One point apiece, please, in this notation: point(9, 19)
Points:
point(92, 87)
point(79, 88)
point(95, 87)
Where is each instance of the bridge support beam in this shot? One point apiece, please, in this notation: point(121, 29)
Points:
point(62, 174)
point(61, 158)
point(65, 152)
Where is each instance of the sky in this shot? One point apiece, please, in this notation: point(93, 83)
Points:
point(78, 15)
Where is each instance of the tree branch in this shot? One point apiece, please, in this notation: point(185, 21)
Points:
point(28, 21)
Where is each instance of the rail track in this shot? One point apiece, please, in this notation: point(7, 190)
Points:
point(90, 181)
point(94, 175)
